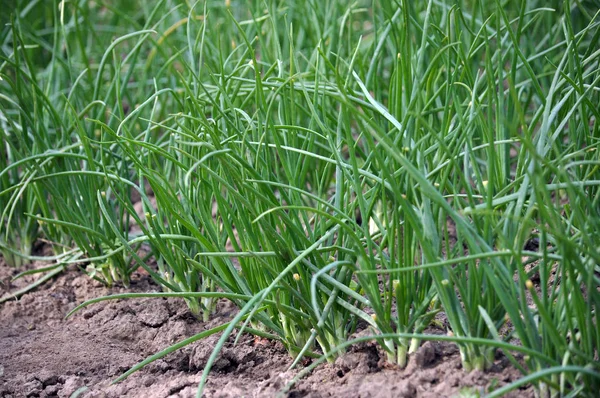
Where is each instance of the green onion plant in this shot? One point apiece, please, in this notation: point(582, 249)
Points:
point(326, 166)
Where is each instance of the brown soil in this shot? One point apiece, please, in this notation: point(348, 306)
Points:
point(44, 355)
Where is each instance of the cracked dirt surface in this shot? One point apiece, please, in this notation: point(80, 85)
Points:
point(44, 355)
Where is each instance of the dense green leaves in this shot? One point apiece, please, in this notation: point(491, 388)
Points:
point(322, 165)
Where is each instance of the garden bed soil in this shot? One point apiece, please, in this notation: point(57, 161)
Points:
point(44, 355)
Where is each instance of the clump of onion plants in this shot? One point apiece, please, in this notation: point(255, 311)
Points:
point(328, 168)
point(18, 231)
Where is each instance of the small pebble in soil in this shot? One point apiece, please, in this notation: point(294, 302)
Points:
point(47, 378)
point(52, 390)
point(426, 354)
point(71, 384)
point(348, 362)
point(148, 381)
point(33, 388)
